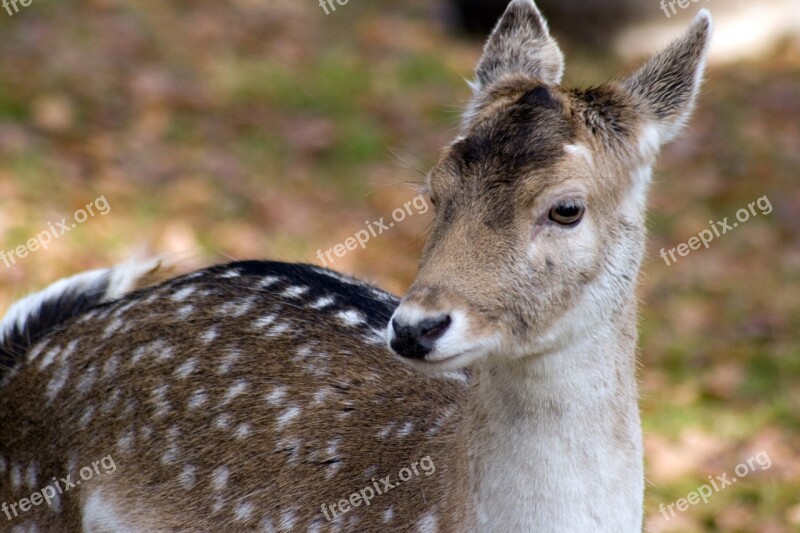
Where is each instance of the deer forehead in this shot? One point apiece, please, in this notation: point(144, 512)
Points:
point(525, 139)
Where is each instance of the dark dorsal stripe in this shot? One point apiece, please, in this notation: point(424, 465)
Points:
point(51, 314)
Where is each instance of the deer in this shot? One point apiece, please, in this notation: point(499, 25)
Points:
point(498, 395)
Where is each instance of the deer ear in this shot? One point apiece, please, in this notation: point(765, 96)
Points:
point(520, 44)
point(666, 87)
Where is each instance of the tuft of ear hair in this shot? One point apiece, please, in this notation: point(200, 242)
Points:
point(520, 44)
point(666, 87)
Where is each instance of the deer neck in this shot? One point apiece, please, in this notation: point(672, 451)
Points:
point(555, 439)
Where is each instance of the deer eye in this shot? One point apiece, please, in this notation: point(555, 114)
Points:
point(567, 212)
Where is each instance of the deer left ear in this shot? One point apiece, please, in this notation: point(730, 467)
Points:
point(666, 87)
point(520, 44)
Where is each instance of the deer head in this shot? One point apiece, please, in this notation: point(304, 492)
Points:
point(539, 225)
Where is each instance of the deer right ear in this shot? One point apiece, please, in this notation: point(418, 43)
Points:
point(520, 44)
point(667, 85)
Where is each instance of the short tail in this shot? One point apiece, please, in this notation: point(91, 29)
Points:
point(29, 319)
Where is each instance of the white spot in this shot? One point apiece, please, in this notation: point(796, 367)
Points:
point(236, 309)
point(37, 350)
point(333, 446)
point(275, 398)
point(388, 514)
point(243, 511)
point(170, 457)
point(320, 395)
point(227, 362)
point(182, 294)
point(287, 520)
point(428, 524)
point(384, 432)
point(163, 351)
point(267, 281)
point(223, 421)
point(338, 277)
point(145, 433)
point(185, 311)
point(294, 292)
point(87, 416)
point(230, 274)
point(188, 477)
point(86, 381)
point(138, 354)
point(332, 469)
point(72, 463)
point(267, 526)
point(16, 476)
point(287, 416)
point(111, 401)
point(219, 479)
point(125, 441)
point(351, 317)
point(159, 396)
point(238, 388)
point(209, 335)
point(302, 352)
point(242, 431)
point(406, 429)
point(198, 399)
point(278, 330)
point(323, 302)
point(57, 383)
point(317, 364)
point(49, 357)
point(186, 368)
point(32, 476)
point(123, 309)
point(55, 503)
point(264, 321)
point(100, 514)
point(111, 367)
point(112, 327)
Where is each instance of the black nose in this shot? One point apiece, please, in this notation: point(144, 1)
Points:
point(415, 341)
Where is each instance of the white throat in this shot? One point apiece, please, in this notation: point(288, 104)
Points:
point(556, 440)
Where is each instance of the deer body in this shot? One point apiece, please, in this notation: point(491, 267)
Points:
point(498, 395)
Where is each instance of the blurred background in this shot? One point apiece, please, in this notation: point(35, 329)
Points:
point(270, 129)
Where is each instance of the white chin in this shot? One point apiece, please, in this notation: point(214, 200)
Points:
point(432, 365)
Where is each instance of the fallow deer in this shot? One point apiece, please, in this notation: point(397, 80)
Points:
point(262, 396)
